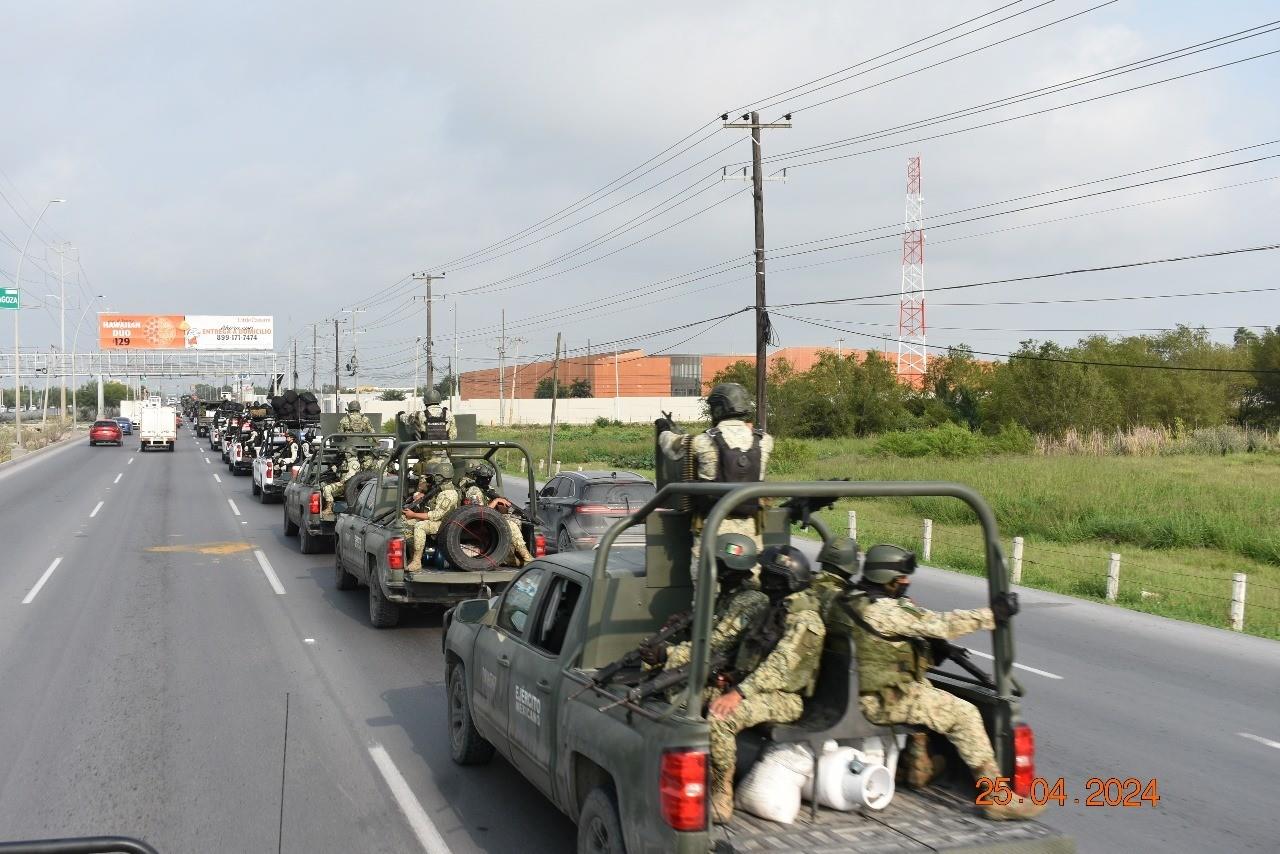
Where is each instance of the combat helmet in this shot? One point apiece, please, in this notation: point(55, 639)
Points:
point(431, 397)
point(438, 471)
point(784, 568)
point(840, 556)
point(478, 471)
point(885, 562)
point(735, 553)
point(728, 400)
point(353, 406)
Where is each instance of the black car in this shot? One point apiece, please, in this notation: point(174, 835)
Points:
point(575, 508)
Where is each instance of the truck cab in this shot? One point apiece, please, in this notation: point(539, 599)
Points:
point(523, 679)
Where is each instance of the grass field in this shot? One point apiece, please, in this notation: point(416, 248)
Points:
point(1182, 524)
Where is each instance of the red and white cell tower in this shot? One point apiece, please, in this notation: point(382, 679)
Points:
point(913, 357)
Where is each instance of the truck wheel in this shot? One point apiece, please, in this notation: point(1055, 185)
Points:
point(306, 542)
point(563, 543)
point(466, 745)
point(342, 579)
point(383, 613)
point(599, 828)
point(290, 528)
point(257, 490)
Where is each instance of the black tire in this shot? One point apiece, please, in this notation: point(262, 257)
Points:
point(563, 543)
point(599, 826)
point(383, 613)
point(342, 579)
point(257, 490)
point(307, 542)
point(290, 527)
point(358, 480)
point(474, 538)
point(466, 745)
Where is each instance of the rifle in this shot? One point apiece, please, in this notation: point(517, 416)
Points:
point(674, 625)
point(799, 508)
point(721, 674)
point(942, 651)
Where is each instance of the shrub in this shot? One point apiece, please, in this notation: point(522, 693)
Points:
point(946, 440)
point(790, 455)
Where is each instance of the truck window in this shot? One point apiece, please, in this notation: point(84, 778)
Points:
point(557, 612)
point(516, 604)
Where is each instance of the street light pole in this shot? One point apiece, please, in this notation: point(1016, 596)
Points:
point(17, 370)
point(75, 339)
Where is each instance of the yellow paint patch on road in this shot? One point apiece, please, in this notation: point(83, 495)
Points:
point(205, 548)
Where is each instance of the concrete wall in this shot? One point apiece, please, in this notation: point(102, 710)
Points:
point(630, 410)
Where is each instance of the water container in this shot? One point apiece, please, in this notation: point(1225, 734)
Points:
point(848, 780)
point(771, 789)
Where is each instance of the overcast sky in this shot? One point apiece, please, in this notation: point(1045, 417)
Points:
point(300, 158)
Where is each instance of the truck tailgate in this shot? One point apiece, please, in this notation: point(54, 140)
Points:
point(915, 821)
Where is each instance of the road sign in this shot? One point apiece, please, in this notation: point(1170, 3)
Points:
point(10, 298)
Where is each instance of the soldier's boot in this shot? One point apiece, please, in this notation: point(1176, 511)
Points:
point(923, 769)
point(1018, 809)
point(326, 513)
point(722, 802)
point(414, 565)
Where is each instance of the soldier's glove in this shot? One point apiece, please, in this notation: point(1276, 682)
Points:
point(664, 425)
point(653, 654)
point(1004, 606)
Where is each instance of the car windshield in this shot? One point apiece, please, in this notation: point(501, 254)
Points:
point(631, 494)
point(105, 424)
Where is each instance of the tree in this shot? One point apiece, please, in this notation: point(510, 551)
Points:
point(958, 384)
point(112, 394)
point(544, 389)
point(1048, 396)
point(391, 394)
point(446, 385)
point(580, 387)
point(1265, 393)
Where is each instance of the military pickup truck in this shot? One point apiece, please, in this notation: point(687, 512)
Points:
point(522, 679)
point(303, 501)
point(205, 415)
point(465, 559)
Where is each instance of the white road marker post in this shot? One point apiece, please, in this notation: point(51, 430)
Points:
point(1238, 582)
point(1113, 577)
point(557, 467)
point(926, 542)
point(1016, 569)
point(853, 524)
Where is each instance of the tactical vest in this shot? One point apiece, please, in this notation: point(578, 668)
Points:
point(437, 426)
point(884, 661)
point(763, 636)
point(734, 466)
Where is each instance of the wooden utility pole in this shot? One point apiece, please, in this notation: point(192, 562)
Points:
point(429, 278)
point(752, 122)
point(555, 392)
point(315, 336)
point(337, 381)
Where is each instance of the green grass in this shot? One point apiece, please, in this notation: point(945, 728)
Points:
point(1182, 524)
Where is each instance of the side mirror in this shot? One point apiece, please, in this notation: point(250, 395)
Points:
point(471, 610)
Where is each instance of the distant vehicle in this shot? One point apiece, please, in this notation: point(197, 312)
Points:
point(33, 408)
point(105, 433)
point(205, 415)
point(156, 428)
point(576, 508)
point(126, 426)
point(269, 479)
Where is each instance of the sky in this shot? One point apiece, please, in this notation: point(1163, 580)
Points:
point(299, 159)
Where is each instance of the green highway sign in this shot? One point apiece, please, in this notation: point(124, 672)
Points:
point(10, 298)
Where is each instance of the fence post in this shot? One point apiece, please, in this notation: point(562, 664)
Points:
point(522, 465)
point(853, 524)
point(1113, 577)
point(542, 465)
point(579, 468)
point(1017, 560)
point(926, 542)
point(557, 467)
point(1238, 581)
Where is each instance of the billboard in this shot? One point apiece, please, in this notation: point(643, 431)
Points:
point(185, 332)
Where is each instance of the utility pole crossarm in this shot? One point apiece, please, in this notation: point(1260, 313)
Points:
point(428, 278)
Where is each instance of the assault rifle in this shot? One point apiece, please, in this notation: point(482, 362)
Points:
point(674, 625)
point(942, 651)
point(722, 676)
point(800, 507)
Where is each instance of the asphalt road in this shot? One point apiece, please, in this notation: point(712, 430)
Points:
point(143, 689)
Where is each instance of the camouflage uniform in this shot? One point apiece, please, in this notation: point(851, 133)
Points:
point(418, 420)
point(735, 612)
point(774, 689)
point(738, 435)
point(350, 465)
point(354, 422)
point(445, 501)
point(891, 670)
point(519, 549)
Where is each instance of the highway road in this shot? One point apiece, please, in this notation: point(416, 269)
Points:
point(155, 622)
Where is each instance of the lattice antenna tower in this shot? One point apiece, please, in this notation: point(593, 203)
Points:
point(913, 356)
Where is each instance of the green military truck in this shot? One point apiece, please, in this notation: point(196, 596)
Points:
point(302, 498)
point(467, 557)
point(522, 679)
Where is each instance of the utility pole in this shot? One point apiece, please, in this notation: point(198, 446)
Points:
point(752, 121)
point(314, 364)
point(428, 278)
point(502, 369)
point(555, 392)
point(417, 351)
point(337, 384)
point(295, 365)
point(353, 366)
point(515, 377)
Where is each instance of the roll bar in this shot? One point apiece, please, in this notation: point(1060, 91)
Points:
point(730, 496)
point(401, 451)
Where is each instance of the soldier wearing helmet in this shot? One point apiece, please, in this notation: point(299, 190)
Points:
point(353, 421)
point(897, 642)
point(349, 466)
point(444, 498)
point(435, 421)
point(731, 451)
point(774, 667)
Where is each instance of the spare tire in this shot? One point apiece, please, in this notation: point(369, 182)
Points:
point(474, 538)
point(358, 480)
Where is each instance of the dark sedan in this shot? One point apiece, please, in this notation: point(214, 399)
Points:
point(126, 426)
point(105, 433)
point(576, 508)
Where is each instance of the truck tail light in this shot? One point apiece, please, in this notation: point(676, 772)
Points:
point(268, 473)
point(314, 507)
point(395, 553)
point(539, 545)
point(1024, 759)
point(682, 789)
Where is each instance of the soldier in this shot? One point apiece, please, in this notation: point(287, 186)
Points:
point(349, 466)
point(775, 667)
point(739, 603)
point(892, 635)
point(289, 451)
point(435, 421)
point(444, 499)
point(731, 451)
point(353, 421)
point(477, 489)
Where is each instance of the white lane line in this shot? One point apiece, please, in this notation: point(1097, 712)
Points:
point(130, 461)
point(234, 508)
point(48, 572)
point(1268, 742)
point(423, 828)
point(272, 578)
point(117, 480)
point(1034, 670)
point(206, 459)
point(96, 509)
point(215, 477)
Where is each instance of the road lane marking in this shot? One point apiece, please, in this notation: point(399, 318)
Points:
point(215, 477)
point(430, 838)
point(48, 572)
point(206, 459)
point(1034, 670)
point(234, 508)
point(130, 461)
point(117, 480)
point(1268, 742)
point(96, 509)
point(272, 578)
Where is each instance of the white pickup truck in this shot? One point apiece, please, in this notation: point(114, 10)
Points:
point(270, 478)
point(157, 427)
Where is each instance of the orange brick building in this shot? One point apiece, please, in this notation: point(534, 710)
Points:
point(637, 374)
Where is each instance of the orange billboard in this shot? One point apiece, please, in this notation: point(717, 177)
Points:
point(184, 332)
